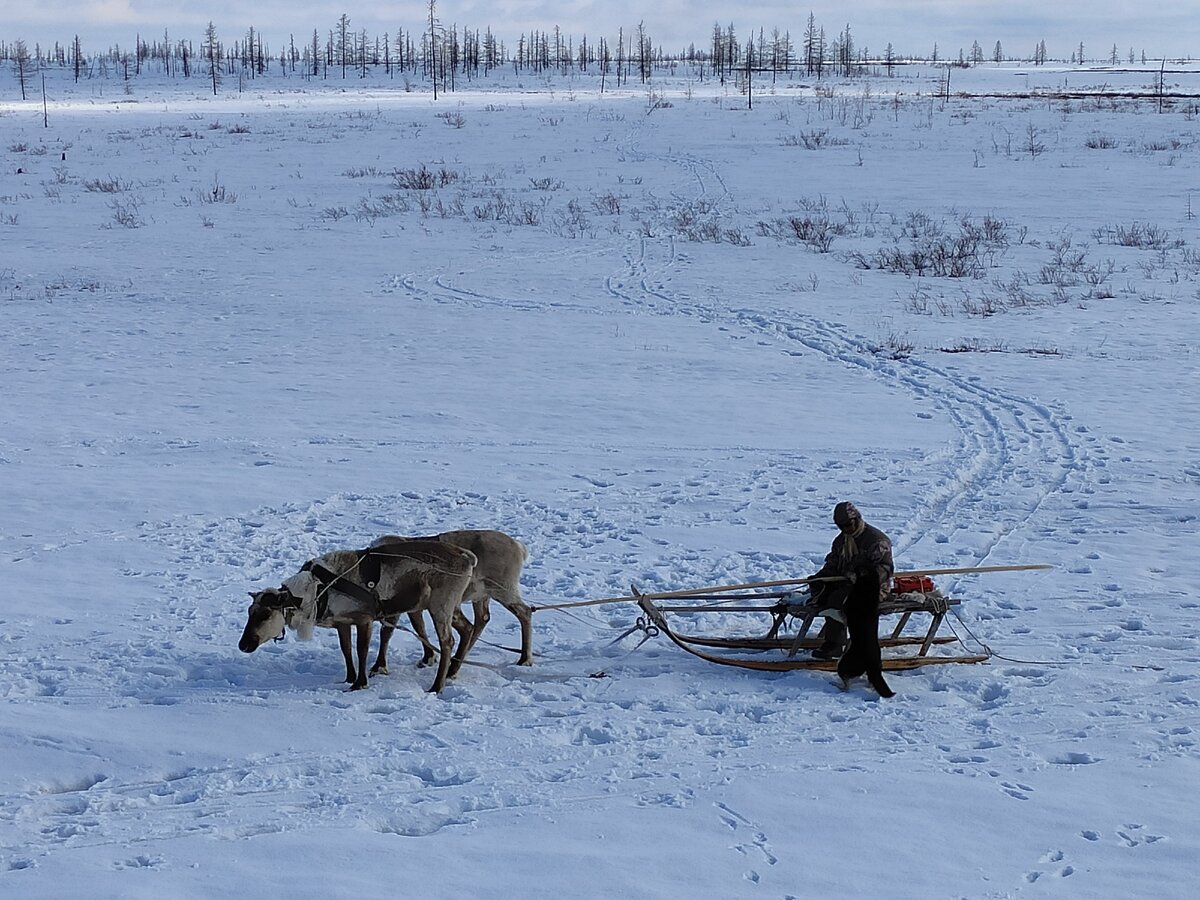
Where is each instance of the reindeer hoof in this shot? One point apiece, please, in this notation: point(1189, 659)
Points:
point(358, 686)
point(379, 670)
point(525, 661)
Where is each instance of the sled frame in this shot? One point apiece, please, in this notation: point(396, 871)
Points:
point(904, 605)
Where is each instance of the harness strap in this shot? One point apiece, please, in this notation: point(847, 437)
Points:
point(330, 580)
point(370, 567)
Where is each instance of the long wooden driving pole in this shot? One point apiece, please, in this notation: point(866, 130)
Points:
point(724, 588)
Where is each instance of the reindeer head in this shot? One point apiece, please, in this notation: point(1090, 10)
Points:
point(269, 610)
point(265, 618)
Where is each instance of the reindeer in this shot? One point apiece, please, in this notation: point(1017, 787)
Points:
point(347, 588)
point(497, 575)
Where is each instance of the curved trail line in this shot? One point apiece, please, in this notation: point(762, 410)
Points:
point(1012, 453)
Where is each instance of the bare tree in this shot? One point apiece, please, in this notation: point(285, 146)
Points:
point(718, 50)
point(212, 52)
point(643, 52)
point(750, 73)
point(20, 58)
point(433, 44)
point(846, 52)
point(810, 46)
point(781, 53)
point(620, 52)
point(343, 42)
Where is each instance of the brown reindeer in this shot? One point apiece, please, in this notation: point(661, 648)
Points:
point(497, 575)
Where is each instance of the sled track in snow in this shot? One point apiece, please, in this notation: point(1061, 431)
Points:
point(1011, 452)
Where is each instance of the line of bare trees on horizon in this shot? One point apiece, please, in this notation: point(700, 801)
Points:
point(446, 55)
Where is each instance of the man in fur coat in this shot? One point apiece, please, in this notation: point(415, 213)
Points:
point(856, 546)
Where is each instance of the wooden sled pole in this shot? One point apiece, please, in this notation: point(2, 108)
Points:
point(668, 595)
point(727, 588)
point(970, 570)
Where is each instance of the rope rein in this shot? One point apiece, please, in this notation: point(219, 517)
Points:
point(987, 648)
point(425, 560)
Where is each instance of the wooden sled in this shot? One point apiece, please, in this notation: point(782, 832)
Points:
point(907, 605)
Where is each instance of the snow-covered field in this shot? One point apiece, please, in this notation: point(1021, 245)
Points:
point(656, 336)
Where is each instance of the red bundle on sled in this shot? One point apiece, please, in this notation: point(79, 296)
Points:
point(910, 584)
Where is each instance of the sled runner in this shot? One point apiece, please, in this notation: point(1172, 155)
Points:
point(788, 616)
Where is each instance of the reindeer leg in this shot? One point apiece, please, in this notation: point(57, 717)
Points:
point(446, 648)
point(417, 620)
point(467, 632)
point(385, 637)
point(524, 614)
point(364, 647)
point(343, 633)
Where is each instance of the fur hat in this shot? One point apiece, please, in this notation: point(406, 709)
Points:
point(846, 513)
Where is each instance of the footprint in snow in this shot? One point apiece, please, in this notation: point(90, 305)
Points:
point(1074, 758)
point(1016, 791)
point(1131, 838)
point(139, 862)
point(734, 820)
point(1051, 857)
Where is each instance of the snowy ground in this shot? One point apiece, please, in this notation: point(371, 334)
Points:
point(232, 339)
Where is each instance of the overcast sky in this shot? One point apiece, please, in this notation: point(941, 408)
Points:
point(912, 26)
